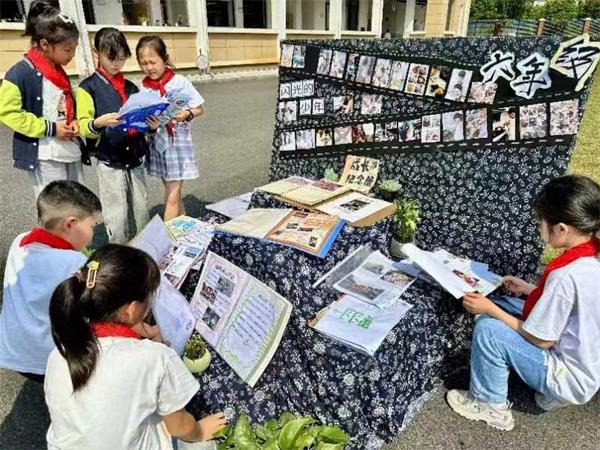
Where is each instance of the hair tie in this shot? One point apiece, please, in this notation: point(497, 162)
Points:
point(65, 18)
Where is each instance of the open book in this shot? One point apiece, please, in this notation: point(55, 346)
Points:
point(358, 209)
point(457, 275)
point(312, 233)
point(304, 192)
point(240, 317)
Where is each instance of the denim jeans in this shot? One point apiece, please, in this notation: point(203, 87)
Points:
point(497, 348)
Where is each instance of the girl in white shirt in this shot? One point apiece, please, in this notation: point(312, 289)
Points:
point(105, 387)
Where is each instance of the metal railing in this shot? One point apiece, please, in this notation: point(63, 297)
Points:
point(532, 27)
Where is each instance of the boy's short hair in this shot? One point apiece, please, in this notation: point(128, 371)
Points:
point(65, 198)
point(111, 42)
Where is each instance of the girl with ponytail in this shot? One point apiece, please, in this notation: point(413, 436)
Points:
point(106, 388)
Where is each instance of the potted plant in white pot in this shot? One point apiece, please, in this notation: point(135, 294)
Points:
point(389, 190)
point(406, 219)
point(196, 356)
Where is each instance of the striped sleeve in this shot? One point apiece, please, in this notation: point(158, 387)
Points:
point(17, 119)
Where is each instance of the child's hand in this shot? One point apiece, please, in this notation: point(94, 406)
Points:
point(107, 120)
point(182, 116)
point(475, 303)
point(517, 285)
point(153, 123)
point(75, 127)
point(211, 425)
point(65, 132)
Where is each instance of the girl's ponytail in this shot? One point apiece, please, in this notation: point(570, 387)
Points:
point(36, 9)
point(45, 21)
point(71, 330)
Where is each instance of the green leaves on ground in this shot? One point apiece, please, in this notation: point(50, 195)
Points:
point(288, 432)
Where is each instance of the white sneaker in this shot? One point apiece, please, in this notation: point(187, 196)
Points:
point(548, 403)
point(463, 403)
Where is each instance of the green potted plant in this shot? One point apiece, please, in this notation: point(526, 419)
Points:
point(196, 356)
point(143, 20)
point(406, 219)
point(288, 432)
point(389, 189)
point(331, 175)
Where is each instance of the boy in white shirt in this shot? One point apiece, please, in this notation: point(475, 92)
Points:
point(37, 263)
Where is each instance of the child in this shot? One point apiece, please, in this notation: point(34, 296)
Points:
point(553, 346)
point(105, 388)
point(37, 262)
point(36, 101)
point(172, 154)
point(120, 153)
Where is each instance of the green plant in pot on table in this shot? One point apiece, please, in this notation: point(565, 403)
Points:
point(406, 219)
point(389, 189)
point(196, 356)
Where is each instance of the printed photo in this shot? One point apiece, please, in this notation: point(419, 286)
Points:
point(286, 111)
point(371, 266)
point(350, 284)
point(458, 87)
point(396, 277)
point(371, 104)
point(564, 117)
point(325, 185)
point(342, 135)
point(318, 106)
point(369, 129)
point(399, 71)
point(430, 128)
point(287, 141)
point(470, 280)
point(381, 77)
point(416, 79)
point(352, 67)
point(358, 134)
point(305, 107)
point(343, 104)
point(299, 56)
point(286, 55)
point(438, 81)
point(482, 92)
point(305, 139)
point(354, 205)
point(409, 130)
point(381, 133)
point(533, 121)
point(208, 293)
point(477, 124)
point(324, 137)
point(453, 126)
point(365, 69)
point(504, 124)
point(338, 62)
point(392, 130)
point(324, 61)
point(210, 318)
point(225, 286)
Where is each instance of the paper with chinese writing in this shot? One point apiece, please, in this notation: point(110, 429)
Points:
point(240, 317)
point(360, 173)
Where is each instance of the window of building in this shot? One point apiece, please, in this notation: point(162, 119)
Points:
point(239, 13)
point(12, 10)
point(136, 12)
point(307, 14)
point(356, 15)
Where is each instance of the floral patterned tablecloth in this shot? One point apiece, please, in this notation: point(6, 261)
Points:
point(371, 398)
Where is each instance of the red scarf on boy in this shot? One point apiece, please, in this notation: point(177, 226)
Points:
point(42, 236)
point(117, 82)
point(57, 76)
point(112, 329)
point(159, 85)
point(589, 248)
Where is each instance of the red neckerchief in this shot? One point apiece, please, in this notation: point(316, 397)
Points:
point(159, 85)
point(112, 329)
point(42, 236)
point(57, 76)
point(117, 82)
point(589, 248)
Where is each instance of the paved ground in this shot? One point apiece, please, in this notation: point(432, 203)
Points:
point(234, 140)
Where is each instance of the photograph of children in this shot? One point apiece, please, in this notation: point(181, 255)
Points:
point(225, 286)
point(208, 293)
point(438, 81)
point(471, 281)
point(305, 139)
point(338, 62)
point(324, 137)
point(533, 120)
point(371, 104)
point(453, 126)
point(318, 106)
point(504, 124)
point(564, 117)
point(482, 92)
point(353, 59)
point(286, 55)
point(365, 69)
point(343, 104)
point(353, 206)
point(476, 121)
point(381, 133)
point(305, 107)
point(430, 128)
point(350, 284)
point(286, 111)
point(342, 135)
point(417, 79)
point(458, 87)
point(210, 318)
point(287, 141)
point(324, 61)
point(381, 77)
point(392, 130)
point(299, 56)
point(398, 77)
point(358, 134)
point(409, 131)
